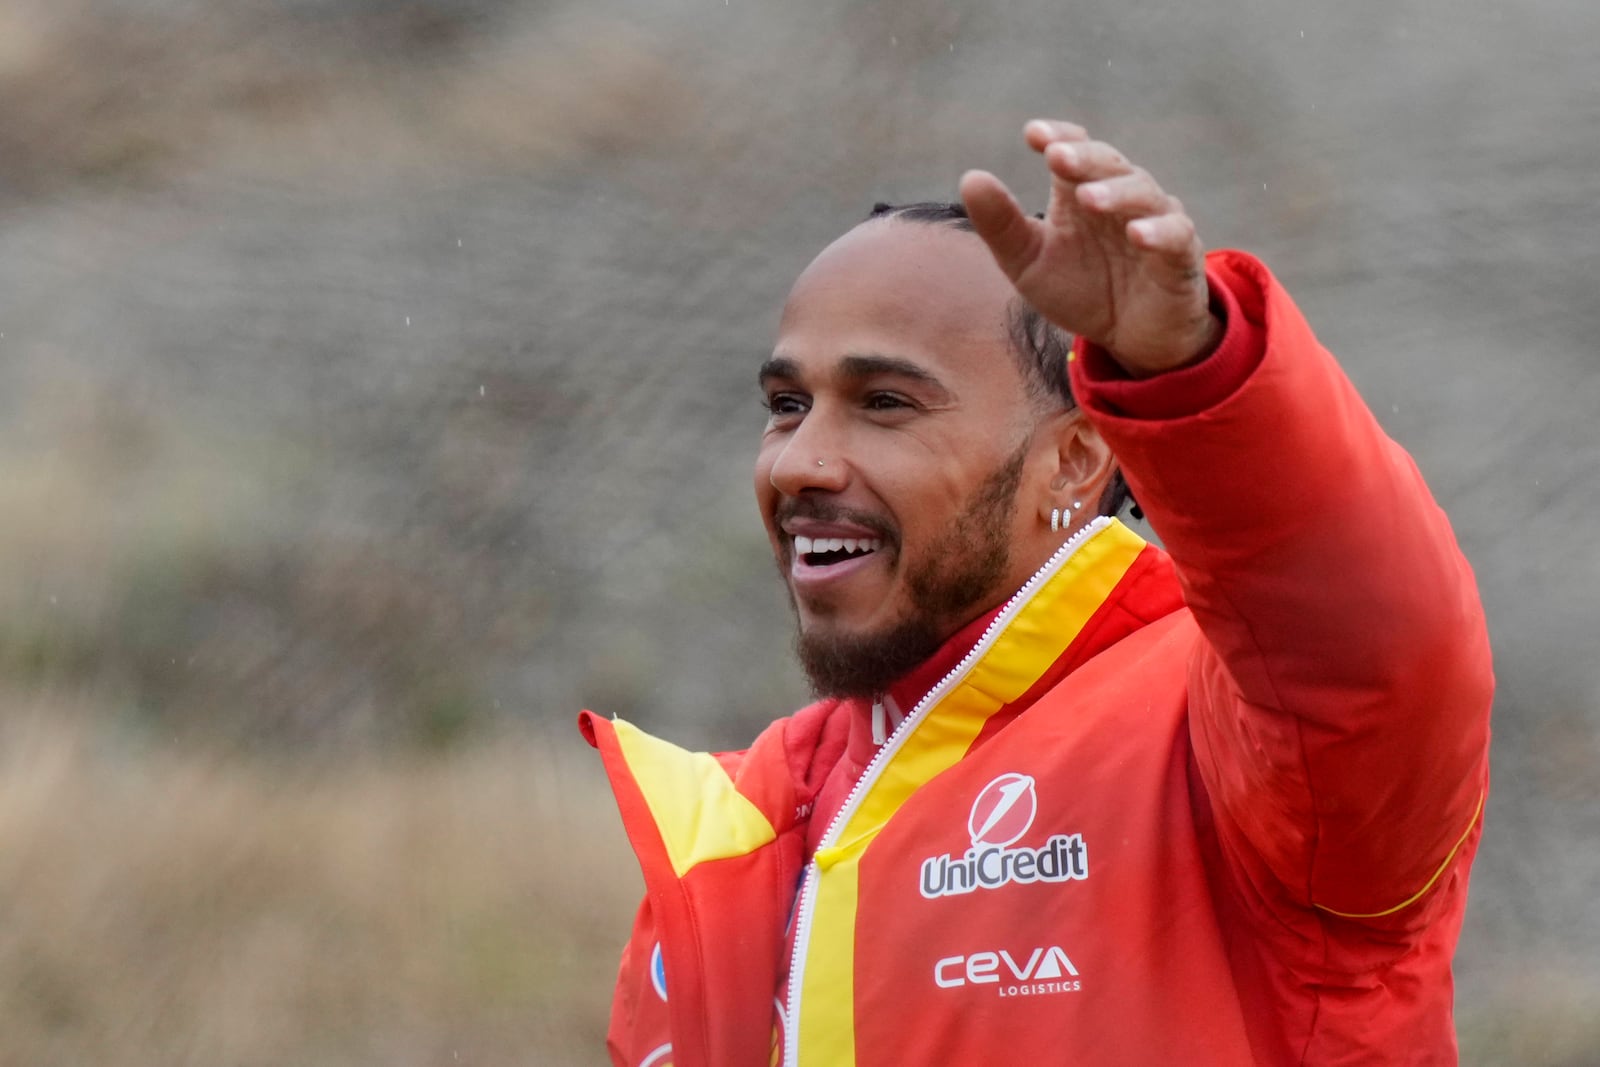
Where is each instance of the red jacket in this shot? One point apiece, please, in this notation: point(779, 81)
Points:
point(1216, 807)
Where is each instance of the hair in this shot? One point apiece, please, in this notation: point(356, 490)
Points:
point(1042, 348)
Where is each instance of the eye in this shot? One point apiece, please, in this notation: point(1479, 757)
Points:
point(886, 402)
point(779, 404)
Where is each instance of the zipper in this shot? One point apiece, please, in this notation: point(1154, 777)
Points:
point(808, 888)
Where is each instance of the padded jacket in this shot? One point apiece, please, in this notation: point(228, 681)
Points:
point(1209, 805)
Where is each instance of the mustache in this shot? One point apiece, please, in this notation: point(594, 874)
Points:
point(828, 511)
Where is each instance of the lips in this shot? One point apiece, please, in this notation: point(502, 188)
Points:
point(828, 572)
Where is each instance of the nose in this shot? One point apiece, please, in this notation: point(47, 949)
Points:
point(810, 458)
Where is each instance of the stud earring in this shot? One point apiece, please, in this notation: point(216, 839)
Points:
point(820, 463)
point(1077, 503)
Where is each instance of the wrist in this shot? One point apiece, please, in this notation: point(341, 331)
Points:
point(1104, 385)
point(1200, 341)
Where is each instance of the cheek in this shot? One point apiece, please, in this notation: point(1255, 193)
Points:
point(766, 497)
point(923, 502)
point(761, 479)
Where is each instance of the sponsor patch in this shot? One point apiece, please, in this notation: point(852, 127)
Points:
point(1041, 971)
point(1002, 814)
point(1003, 811)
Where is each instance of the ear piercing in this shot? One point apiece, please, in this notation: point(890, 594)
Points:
point(1060, 519)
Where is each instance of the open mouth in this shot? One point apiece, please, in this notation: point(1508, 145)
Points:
point(826, 551)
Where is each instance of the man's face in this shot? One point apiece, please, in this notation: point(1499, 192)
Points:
point(890, 471)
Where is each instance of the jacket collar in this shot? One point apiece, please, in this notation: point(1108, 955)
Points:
point(1148, 591)
point(1077, 604)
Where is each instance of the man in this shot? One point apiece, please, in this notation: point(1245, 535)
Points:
point(1067, 798)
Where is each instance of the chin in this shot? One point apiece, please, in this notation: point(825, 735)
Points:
point(845, 661)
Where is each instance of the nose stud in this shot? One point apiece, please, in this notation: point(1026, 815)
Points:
point(820, 463)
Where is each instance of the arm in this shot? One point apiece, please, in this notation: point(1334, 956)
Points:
point(1339, 704)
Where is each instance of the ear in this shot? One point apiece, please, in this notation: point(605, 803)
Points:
point(1081, 466)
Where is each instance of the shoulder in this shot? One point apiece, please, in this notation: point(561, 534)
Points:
point(799, 749)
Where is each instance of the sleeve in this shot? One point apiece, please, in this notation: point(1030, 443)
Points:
point(1340, 698)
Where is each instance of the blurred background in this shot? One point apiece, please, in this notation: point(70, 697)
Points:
point(377, 389)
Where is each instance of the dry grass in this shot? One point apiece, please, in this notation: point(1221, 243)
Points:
point(165, 908)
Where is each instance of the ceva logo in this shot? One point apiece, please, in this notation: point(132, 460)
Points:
point(1002, 813)
point(1045, 970)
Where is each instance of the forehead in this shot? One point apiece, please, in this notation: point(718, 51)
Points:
point(928, 293)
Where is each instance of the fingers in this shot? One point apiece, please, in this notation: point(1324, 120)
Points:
point(1085, 161)
point(1102, 182)
point(1127, 194)
point(1042, 133)
point(1095, 177)
point(1171, 236)
point(1011, 235)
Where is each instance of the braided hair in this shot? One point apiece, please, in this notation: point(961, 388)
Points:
point(1042, 348)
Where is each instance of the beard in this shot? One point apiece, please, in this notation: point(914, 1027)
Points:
point(961, 580)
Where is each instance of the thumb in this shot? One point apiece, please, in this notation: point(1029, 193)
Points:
point(1010, 234)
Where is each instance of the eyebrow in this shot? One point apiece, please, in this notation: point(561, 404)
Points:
point(856, 365)
point(778, 367)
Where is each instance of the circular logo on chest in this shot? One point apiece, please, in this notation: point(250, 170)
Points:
point(658, 972)
point(1003, 811)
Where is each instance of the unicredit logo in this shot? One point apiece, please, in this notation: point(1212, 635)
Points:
point(1003, 811)
point(1002, 814)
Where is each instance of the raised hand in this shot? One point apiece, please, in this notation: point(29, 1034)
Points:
point(1115, 259)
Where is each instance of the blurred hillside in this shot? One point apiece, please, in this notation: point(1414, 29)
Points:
point(376, 383)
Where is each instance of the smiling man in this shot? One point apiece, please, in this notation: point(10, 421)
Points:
point(890, 468)
point(1065, 797)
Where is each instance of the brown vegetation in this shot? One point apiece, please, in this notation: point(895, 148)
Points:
point(164, 907)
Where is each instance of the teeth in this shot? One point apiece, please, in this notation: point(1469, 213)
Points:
point(805, 546)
